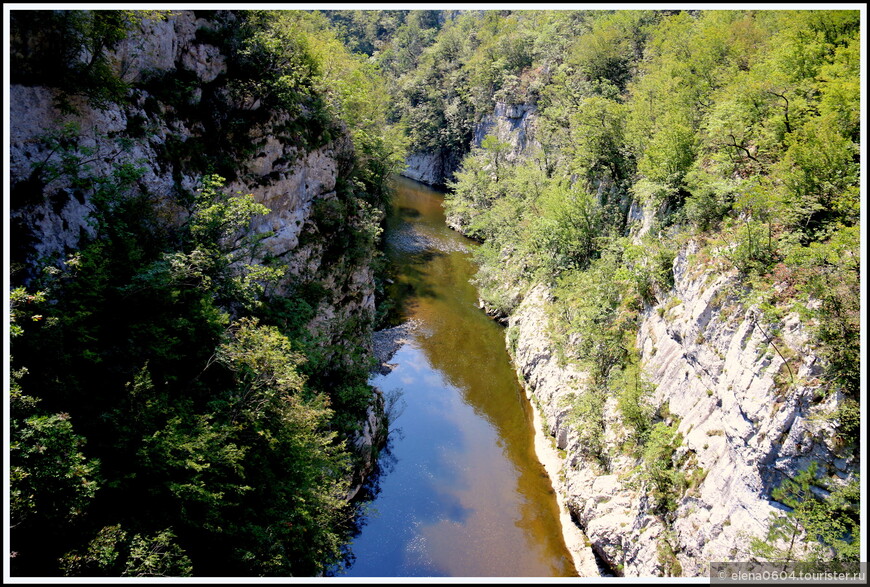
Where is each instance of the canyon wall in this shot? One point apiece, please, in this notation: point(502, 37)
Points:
point(510, 123)
point(162, 132)
point(182, 116)
point(745, 420)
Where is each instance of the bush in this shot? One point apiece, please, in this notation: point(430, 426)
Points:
point(815, 528)
point(665, 481)
point(633, 393)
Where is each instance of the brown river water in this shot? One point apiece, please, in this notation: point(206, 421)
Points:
point(460, 492)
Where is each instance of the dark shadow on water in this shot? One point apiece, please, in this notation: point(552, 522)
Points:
point(408, 212)
point(367, 494)
point(414, 283)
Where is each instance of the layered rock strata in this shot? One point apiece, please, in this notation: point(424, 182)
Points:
point(746, 421)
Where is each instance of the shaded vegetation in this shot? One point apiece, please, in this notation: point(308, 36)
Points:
point(172, 415)
point(155, 366)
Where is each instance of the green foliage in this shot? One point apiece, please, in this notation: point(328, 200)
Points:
point(157, 556)
point(100, 557)
point(72, 51)
point(264, 365)
point(670, 153)
point(598, 310)
point(659, 469)
point(161, 337)
point(475, 59)
point(607, 52)
point(647, 270)
point(830, 273)
point(399, 52)
point(587, 417)
point(667, 558)
point(737, 126)
point(755, 247)
point(848, 421)
point(221, 422)
point(819, 171)
point(52, 480)
point(276, 58)
point(596, 141)
point(710, 198)
point(477, 187)
point(633, 396)
point(303, 68)
point(570, 223)
point(18, 298)
point(368, 31)
point(295, 468)
point(110, 553)
point(740, 127)
point(818, 525)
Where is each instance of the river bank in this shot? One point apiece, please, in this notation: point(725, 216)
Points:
point(460, 491)
point(576, 541)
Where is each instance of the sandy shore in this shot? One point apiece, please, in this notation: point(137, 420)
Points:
point(575, 540)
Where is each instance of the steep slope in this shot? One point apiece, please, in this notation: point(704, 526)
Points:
point(194, 244)
point(738, 396)
point(165, 132)
point(745, 422)
point(684, 309)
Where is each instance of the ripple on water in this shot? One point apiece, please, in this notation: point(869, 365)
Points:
point(409, 239)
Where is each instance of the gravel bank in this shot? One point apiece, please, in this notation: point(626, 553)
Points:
point(388, 341)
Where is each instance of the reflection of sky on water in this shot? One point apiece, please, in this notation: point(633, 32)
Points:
point(463, 494)
point(451, 505)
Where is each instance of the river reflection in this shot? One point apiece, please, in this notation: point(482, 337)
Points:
point(461, 492)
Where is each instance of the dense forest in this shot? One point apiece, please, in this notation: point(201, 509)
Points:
point(738, 130)
point(173, 414)
point(172, 410)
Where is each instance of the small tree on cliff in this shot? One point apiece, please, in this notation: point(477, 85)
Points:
point(815, 527)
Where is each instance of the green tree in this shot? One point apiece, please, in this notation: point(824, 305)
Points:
point(479, 184)
point(111, 553)
point(597, 142)
point(568, 229)
point(830, 272)
point(817, 526)
point(295, 468)
point(52, 480)
point(756, 247)
point(633, 393)
point(665, 481)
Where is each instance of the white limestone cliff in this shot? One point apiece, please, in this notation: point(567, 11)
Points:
point(49, 218)
point(746, 424)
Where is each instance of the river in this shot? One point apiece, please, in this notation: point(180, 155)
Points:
point(460, 492)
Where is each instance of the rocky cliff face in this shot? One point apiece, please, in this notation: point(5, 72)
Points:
point(513, 124)
point(429, 168)
point(180, 111)
point(510, 123)
point(161, 132)
point(746, 420)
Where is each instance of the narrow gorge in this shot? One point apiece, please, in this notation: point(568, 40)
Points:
point(433, 293)
point(746, 417)
point(193, 245)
